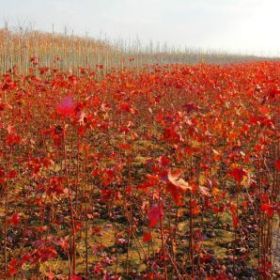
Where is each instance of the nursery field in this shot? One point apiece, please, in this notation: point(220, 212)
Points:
point(167, 171)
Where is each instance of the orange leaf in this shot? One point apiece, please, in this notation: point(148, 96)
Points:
point(175, 180)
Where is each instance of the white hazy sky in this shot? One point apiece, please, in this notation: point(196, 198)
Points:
point(246, 26)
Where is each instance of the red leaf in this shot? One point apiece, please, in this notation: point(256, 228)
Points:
point(235, 220)
point(66, 107)
point(76, 277)
point(267, 209)
point(14, 219)
point(125, 107)
point(13, 139)
point(12, 267)
point(63, 243)
point(147, 236)
point(176, 195)
point(277, 164)
point(11, 174)
point(50, 275)
point(238, 174)
point(155, 214)
point(164, 161)
point(195, 208)
point(234, 215)
point(46, 253)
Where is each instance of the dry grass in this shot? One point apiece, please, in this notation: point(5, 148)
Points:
point(68, 52)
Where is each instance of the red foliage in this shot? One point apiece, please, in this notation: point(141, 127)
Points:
point(136, 151)
point(66, 107)
point(238, 174)
point(14, 219)
point(277, 164)
point(147, 236)
point(267, 209)
point(155, 215)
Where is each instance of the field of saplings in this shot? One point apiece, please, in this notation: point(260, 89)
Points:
point(160, 172)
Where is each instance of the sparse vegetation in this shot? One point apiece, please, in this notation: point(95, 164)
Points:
point(67, 52)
